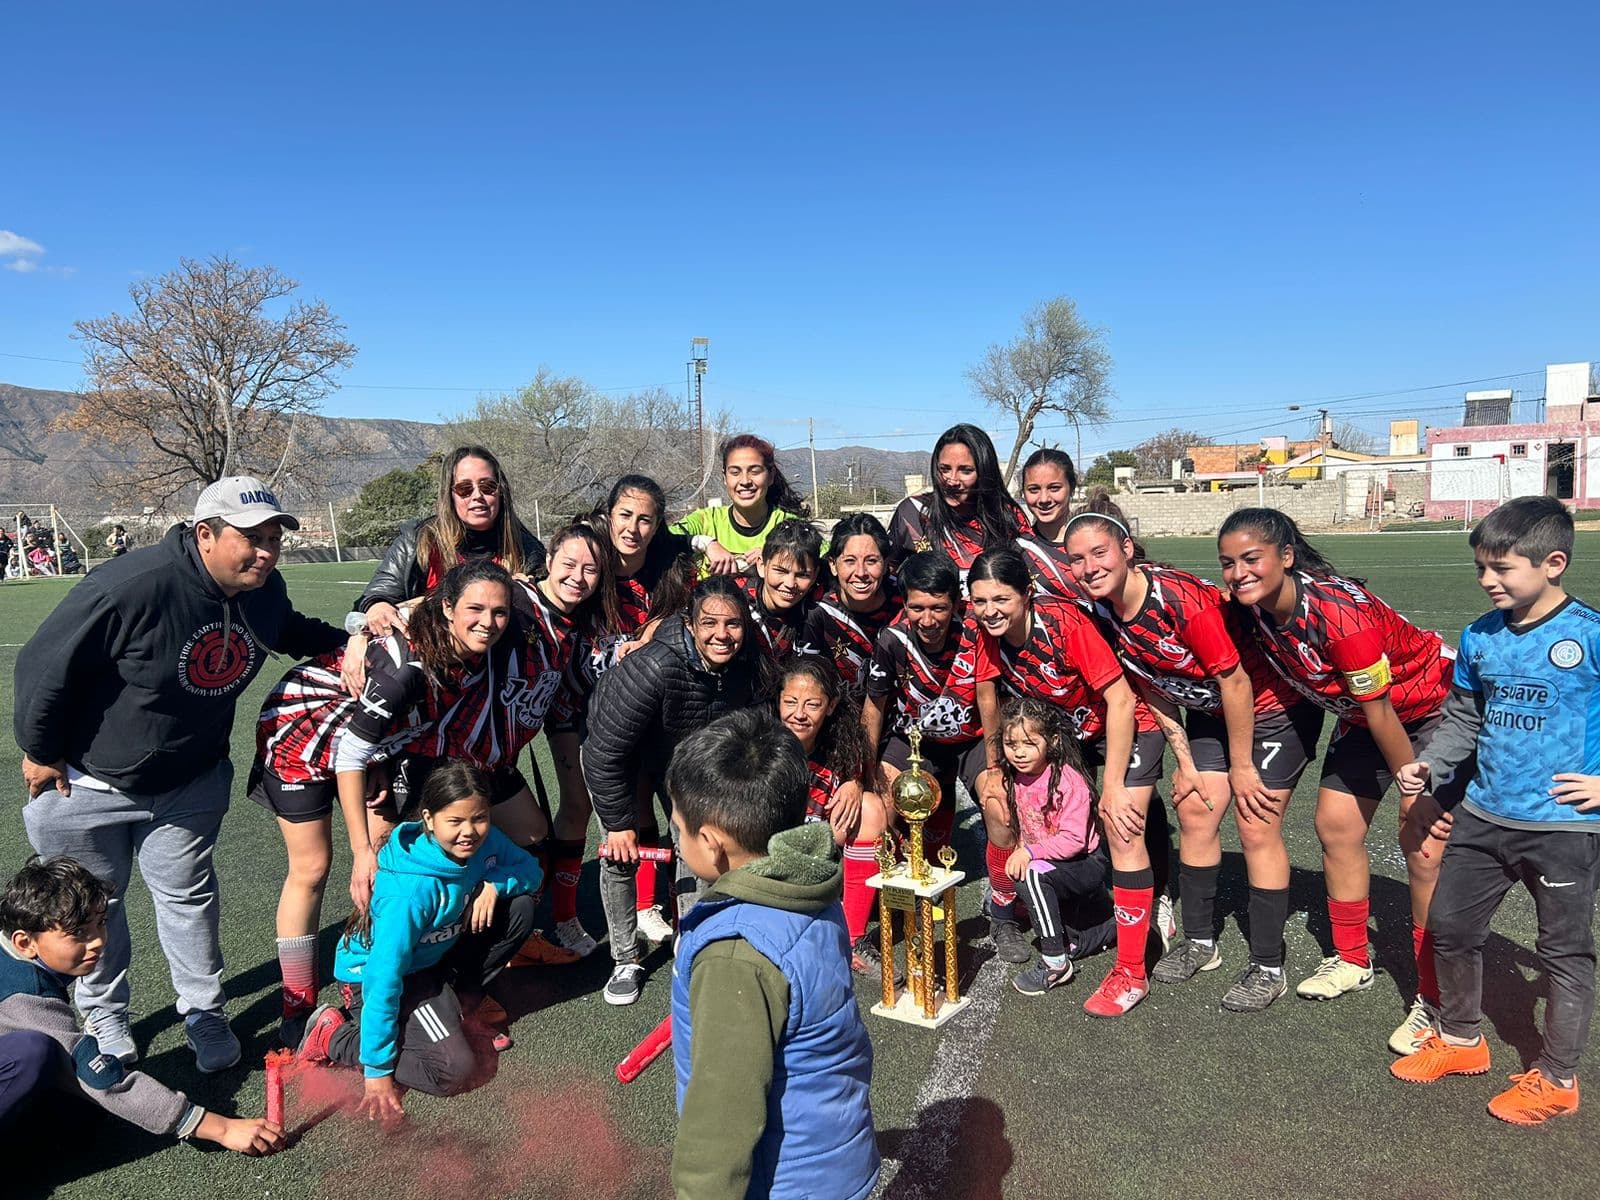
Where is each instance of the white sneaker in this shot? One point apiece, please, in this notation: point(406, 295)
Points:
point(1333, 978)
point(1166, 922)
point(573, 936)
point(1421, 1023)
point(654, 926)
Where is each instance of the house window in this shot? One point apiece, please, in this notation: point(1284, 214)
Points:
point(1519, 449)
point(1463, 451)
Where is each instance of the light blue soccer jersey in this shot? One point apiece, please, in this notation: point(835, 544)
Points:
point(1540, 690)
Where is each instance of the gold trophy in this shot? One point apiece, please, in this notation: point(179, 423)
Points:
point(917, 890)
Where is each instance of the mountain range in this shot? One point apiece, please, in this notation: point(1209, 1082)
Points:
point(41, 464)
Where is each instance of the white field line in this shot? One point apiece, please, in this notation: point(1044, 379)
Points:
point(958, 1059)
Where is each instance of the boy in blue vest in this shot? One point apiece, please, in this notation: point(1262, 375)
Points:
point(773, 1094)
point(1526, 699)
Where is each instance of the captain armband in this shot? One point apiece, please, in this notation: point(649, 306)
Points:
point(1371, 681)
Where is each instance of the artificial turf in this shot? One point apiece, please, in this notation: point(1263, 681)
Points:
point(1017, 1096)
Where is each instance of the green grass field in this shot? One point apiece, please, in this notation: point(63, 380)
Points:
point(1016, 1097)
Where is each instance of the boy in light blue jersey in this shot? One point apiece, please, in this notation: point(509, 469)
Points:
point(1526, 698)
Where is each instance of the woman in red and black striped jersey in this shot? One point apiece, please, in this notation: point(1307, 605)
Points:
point(573, 592)
point(843, 626)
point(1246, 736)
point(315, 742)
point(1048, 481)
point(652, 569)
point(780, 588)
point(967, 511)
point(922, 674)
point(1385, 680)
point(1051, 650)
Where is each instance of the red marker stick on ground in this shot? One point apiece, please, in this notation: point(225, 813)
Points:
point(660, 854)
point(277, 1060)
point(646, 1052)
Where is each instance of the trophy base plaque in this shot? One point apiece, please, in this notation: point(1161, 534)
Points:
point(923, 902)
point(907, 1009)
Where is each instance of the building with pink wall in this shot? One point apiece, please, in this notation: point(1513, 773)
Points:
point(1474, 467)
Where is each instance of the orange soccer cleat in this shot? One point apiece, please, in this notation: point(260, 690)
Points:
point(1439, 1058)
point(1532, 1099)
point(540, 951)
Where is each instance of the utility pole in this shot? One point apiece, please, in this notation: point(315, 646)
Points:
point(811, 440)
point(699, 348)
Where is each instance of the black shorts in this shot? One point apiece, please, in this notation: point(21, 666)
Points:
point(946, 762)
point(1144, 768)
point(412, 773)
point(1355, 765)
point(297, 802)
point(1285, 742)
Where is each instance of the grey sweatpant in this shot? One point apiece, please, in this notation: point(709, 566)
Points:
point(173, 835)
point(617, 898)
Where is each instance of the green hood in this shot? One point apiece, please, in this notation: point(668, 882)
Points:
point(797, 874)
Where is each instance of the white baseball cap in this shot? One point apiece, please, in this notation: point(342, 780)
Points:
point(243, 501)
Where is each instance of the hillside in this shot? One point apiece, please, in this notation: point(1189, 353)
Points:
point(41, 466)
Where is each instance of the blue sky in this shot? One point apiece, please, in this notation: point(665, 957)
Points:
point(1263, 204)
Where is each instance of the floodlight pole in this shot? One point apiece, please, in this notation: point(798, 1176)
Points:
point(699, 349)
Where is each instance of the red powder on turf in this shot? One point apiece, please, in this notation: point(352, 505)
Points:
point(547, 1138)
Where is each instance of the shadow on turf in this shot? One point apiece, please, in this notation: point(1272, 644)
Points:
point(929, 1164)
point(1509, 997)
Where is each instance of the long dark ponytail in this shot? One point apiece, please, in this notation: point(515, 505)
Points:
point(429, 629)
point(1279, 529)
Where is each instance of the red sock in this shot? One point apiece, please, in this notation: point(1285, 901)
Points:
point(1002, 888)
point(860, 865)
point(1422, 947)
point(644, 885)
point(566, 868)
point(1132, 907)
point(1349, 920)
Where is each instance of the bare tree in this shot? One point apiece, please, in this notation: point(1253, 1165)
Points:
point(1058, 364)
point(563, 444)
point(1352, 437)
point(1154, 456)
point(201, 380)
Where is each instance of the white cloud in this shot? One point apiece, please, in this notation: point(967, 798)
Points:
point(23, 254)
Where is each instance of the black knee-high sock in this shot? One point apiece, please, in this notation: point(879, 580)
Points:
point(1197, 893)
point(1269, 911)
point(1158, 843)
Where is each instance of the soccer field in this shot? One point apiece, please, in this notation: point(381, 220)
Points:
point(1017, 1096)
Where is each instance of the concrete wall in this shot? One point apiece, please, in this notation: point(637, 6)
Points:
point(1322, 504)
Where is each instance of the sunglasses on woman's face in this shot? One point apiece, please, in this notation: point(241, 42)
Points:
point(466, 487)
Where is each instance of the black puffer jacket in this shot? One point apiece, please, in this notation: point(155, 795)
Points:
point(645, 705)
point(401, 577)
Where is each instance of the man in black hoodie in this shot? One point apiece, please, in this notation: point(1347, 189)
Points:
point(124, 706)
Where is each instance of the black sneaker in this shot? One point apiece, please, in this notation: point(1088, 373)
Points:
point(1255, 989)
point(1185, 960)
point(625, 984)
point(1041, 977)
point(1010, 943)
point(865, 959)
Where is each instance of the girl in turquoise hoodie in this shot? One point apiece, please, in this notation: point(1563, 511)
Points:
point(452, 901)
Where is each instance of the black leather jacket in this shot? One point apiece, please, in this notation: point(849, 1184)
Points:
point(400, 577)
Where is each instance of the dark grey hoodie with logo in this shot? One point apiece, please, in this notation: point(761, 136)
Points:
point(134, 677)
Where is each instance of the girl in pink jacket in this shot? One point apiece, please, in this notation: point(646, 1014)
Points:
point(1059, 861)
